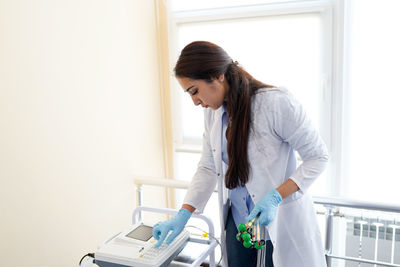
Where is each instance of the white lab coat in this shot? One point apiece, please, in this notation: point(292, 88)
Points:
point(279, 126)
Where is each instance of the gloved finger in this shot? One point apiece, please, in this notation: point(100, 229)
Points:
point(172, 236)
point(253, 213)
point(164, 233)
point(157, 231)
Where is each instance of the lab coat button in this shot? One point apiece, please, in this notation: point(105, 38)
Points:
point(253, 195)
point(218, 174)
point(214, 150)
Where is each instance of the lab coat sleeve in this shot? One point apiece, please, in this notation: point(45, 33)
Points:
point(292, 125)
point(205, 179)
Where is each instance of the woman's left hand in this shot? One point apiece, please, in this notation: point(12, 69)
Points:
point(267, 206)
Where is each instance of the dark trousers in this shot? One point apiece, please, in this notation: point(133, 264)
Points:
point(238, 255)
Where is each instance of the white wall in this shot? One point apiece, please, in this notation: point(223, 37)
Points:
point(79, 114)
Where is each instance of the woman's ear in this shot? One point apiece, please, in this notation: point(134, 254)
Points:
point(221, 78)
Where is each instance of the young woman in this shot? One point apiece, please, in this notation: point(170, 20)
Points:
point(252, 131)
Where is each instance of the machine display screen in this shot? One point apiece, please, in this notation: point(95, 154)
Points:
point(142, 233)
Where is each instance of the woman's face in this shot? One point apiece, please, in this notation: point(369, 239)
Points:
point(208, 95)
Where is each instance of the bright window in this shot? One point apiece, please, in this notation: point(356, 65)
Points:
point(373, 111)
point(280, 50)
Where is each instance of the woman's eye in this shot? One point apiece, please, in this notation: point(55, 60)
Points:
point(194, 91)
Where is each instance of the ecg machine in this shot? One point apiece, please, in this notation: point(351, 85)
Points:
point(135, 247)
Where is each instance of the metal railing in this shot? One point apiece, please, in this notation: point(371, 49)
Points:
point(331, 205)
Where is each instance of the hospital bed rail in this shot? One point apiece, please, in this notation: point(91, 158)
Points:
point(332, 209)
point(175, 184)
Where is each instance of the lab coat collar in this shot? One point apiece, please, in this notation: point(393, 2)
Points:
point(219, 111)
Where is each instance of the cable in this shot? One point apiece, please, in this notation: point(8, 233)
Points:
point(89, 255)
point(192, 226)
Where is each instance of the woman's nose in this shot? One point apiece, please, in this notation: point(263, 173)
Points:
point(196, 101)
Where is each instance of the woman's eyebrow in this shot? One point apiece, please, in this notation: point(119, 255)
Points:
point(189, 88)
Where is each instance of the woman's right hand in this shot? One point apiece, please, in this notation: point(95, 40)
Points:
point(175, 224)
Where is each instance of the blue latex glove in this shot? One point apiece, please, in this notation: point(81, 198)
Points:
point(267, 206)
point(176, 224)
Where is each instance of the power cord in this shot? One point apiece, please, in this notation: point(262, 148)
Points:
point(205, 235)
point(87, 255)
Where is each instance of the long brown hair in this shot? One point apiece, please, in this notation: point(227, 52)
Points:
point(203, 60)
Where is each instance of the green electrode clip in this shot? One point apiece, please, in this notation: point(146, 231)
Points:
point(249, 234)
